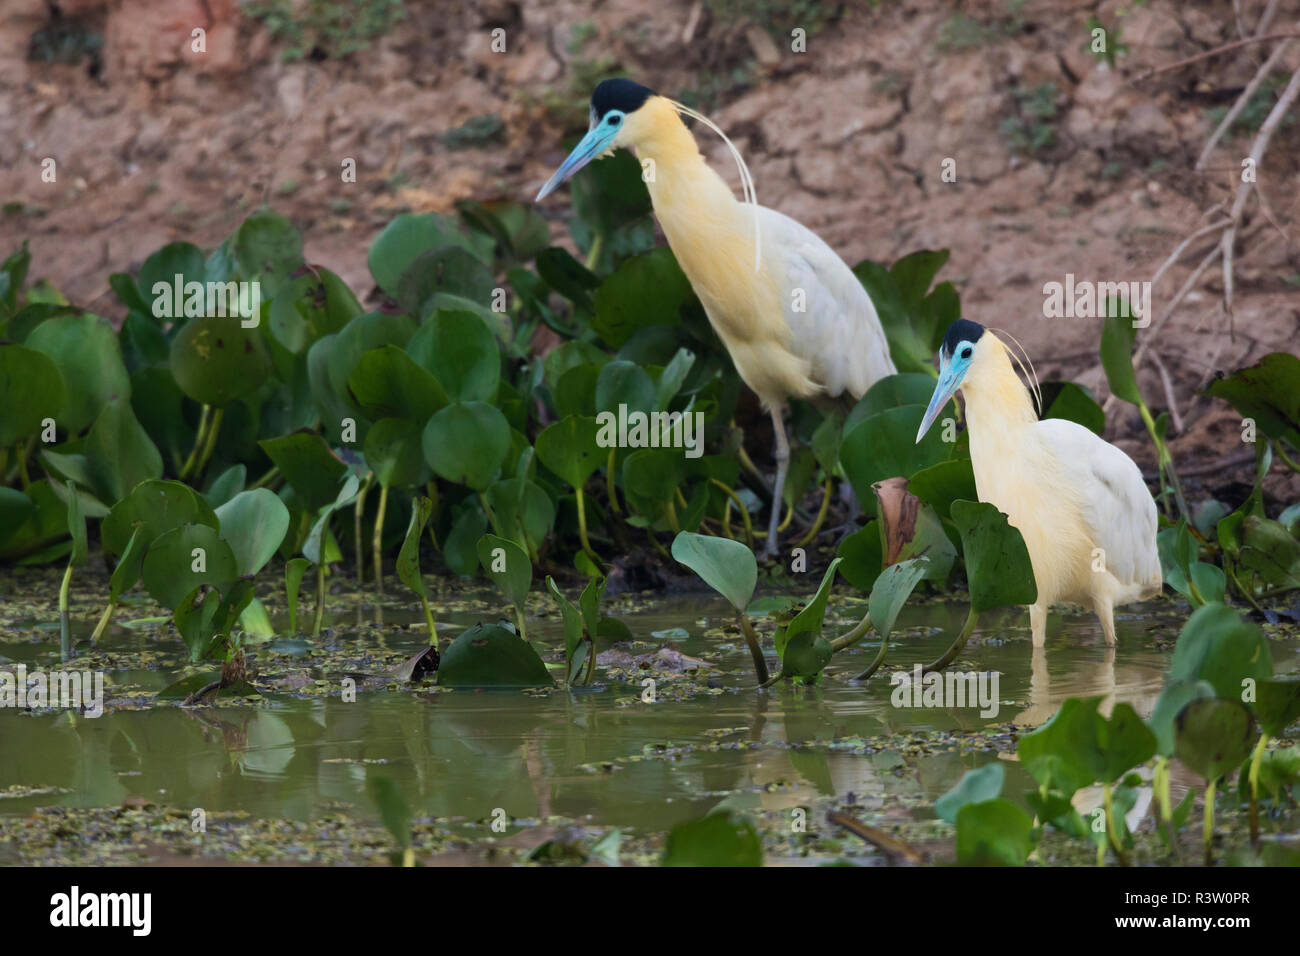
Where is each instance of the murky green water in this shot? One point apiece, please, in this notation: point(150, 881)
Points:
point(593, 759)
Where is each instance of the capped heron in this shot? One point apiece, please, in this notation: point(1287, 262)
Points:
point(1080, 503)
point(794, 318)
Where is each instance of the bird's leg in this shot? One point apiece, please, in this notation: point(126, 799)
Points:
point(1105, 609)
point(1038, 623)
point(782, 455)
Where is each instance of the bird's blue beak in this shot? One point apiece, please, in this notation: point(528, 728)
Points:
point(950, 376)
point(596, 141)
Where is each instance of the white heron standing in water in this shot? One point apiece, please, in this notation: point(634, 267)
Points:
point(792, 315)
point(1080, 503)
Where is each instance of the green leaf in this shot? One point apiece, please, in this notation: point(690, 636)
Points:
point(1177, 694)
point(253, 523)
point(387, 383)
point(408, 559)
point(461, 352)
point(226, 485)
point(863, 556)
point(315, 304)
point(993, 833)
point(1211, 737)
point(645, 290)
point(440, 273)
point(156, 507)
point(119, 452)
point(489, 655)
point(726, 566)
point(294, 570)
point(975, 786)
point(217, 360)
point(884, 446)
point(182, 559)
point(408, 236)
point(1073, 403)
point(84, 349)
point(1267, 392)
point(394, 450)
point(890, 592)
point(997, 563)
point(466, 443)
point(942, 484)
point(1054, 755)
point(393, 811)
point(267, 248)
point(804, 651)
point(718, 839)
point(573, 630)
point(508, 566)
point(16, 509)
point(77, 528)
point(1219, 646)
point(314, 547)
point(157, 276)
point(1117, 337)
point(571, 450)
point(308, 465)
point(1277, 705)
point(31, 390)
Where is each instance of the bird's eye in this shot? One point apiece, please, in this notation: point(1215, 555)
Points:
point(965, 353)
point(611, 120)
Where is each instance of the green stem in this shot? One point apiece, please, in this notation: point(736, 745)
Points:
point(1112, 828)
point(951, 653)
point(519, 622)
point(377, 540)
point(199, 435)
point(358, 510)
point(65, 637)
point(821, 517)
point(320, 598)
point(266, 479)
point(103, 622)
point(1286, 459)
point(491, 515)
point(744, 513)
point(428, 618)
point(210, 443)
point(849, 638)
point(609, 483)
point(760, 665)
point(593, 254)
point(24, 451)
point(582, 530)
point(1208, 833)
point(1256, 760)
point(1166, 460)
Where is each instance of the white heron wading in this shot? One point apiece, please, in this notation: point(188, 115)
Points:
point(792, 315)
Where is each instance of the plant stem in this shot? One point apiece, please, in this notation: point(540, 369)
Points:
point(320, 598)
point(821, 517)
point(1112, 828)
point(951, 653)
point(519, 622)
point(65, 637)
point(377, 540)
point(1166, 460)
point(760, 665)
point(744, 513)
point(609, 483)
point(593, 254)
point(582, 530)
point(1209, 823)
point(210, 442)
point(266, 479)
point(1256, 759)
point(359, 509)
point(103, 622)
point(199, 435)
point(849, 638)
point(1277, 450)
point(428, 617)
point(24, 452)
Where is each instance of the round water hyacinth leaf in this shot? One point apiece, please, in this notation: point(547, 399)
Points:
point(1177, 694)
point(119, 453)
point(1277, 705)
point(645, 290)
point(884, 446)
point(975, 786)
point(997, 562)
point(84, 349)
point(1218, 645)
point(156, 507)
point(370, 331)
point(447, 271)
point(387, 383)
point(180, 560)
point(311, 305)
point(253, 523)
point(508, 566)
point(993, 833)
point(893, 391)
point(570, 449)
point(31, 390)
point(1212, 737)
point(466, 443)
point(716, 840)
point(488, 655)
point(942, 484)
point(267, 248)
point(308, 465)
point(624, 383)
point(157, 280)
point(654, 474)
point(394, 451)
point(460, 351)
point(726, 566)
point(216, 360)
point(574, 393)
point(409, 235)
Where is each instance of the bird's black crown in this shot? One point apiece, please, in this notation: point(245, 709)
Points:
point(963, 330)
point(620, 94)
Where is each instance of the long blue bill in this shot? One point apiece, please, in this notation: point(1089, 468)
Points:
point(949, 379)
point(593, 144)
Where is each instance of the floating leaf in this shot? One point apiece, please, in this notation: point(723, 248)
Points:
point(489, 655)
